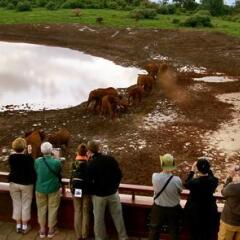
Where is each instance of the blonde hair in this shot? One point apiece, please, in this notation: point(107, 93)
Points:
point(19, 144)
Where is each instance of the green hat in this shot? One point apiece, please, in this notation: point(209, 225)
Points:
point(167, 162)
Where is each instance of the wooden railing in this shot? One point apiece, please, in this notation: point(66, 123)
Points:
point(136, 201)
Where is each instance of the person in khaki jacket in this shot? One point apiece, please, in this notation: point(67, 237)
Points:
point(230, 218)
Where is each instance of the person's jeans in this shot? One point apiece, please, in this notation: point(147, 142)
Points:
point(115, 209)
point(82, 208)
point(164, 215)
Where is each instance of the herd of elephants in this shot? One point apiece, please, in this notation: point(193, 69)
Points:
point(106, 101)
point(109, 103)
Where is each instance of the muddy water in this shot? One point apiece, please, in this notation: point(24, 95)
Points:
point(36, 76)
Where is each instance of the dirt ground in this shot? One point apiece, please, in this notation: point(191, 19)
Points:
point(177, 123)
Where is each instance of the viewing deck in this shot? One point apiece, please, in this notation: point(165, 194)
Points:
point(136, 202)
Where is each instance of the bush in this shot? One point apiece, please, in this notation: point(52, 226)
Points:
point(10, 6)
point(145, 13)
point(3, 3)
point(175, 21)
point(51, 6)
point(71, 4)
point(41, 3)
point(167, 9)
point(23, 6)
point(203, 13)
point(112, 5)
point(197, 21)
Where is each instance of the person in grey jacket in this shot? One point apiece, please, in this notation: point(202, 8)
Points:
point(166, 208)
point(230, 217)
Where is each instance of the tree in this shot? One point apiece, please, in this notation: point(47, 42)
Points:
point(214, 6)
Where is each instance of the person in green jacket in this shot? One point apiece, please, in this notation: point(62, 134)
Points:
point(47, 190)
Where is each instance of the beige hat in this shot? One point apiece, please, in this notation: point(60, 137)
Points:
point(19, 144)
point(167, 162)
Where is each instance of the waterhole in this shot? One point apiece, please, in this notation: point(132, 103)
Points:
point(36, 76)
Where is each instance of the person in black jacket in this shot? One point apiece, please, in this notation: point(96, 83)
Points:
point(105, 176)
point(201, 207)
point(21, 178)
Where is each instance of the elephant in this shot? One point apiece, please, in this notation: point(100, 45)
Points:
point(145, 80)
point(135, 93)
point(97, 95)
point(152, 69)
point(35, 139)
point(60, 138)
point(110, 105)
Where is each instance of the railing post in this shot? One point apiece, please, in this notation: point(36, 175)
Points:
point(133, 196)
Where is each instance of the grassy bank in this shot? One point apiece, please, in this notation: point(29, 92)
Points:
point(111, 18)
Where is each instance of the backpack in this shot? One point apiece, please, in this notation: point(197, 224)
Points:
point(78, 183)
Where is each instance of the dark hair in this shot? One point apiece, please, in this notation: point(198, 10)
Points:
point(203, 166)
point(82, 149)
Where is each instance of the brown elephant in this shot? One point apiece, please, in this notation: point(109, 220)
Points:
point(60, 138)
point(146, 81)
point(110, 105)
point(135, 93)
point(97, 95)
point(152, 69)
point(35, 139)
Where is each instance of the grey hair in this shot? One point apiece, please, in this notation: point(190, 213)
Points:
point(46, 148)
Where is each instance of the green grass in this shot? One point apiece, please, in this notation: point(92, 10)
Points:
point(112, 18)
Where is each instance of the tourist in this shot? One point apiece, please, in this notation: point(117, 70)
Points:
point(105, 176)
point(21, 178)
point(230, 217)
point(81, 198)
point(201, 208)
point(166, 208)
point(47, 190)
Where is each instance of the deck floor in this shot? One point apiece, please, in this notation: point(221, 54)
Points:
point(8, 232)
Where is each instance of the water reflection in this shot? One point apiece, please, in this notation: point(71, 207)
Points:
point(55, 77)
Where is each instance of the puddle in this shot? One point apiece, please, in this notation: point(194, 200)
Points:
point(227, 138)
point(191, 68)
point(36, 76)
point(215, 79)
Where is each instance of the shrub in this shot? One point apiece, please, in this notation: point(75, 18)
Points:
point(23, 6)
point(147, 13)
point(71, 4)
point(198, 21)
point(3, 3)
point(175, 21)
point(10, 6)
point(167, 9)
point(112, 5)
point(203, 12)
point(51, 5)
point(41, 3)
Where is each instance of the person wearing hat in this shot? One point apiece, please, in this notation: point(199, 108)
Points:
point(166, 208)
point(21, 179)
point(47, 190)
point(104, 177)
point(201, 208)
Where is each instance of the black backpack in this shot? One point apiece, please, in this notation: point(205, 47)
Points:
point(79, 175)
